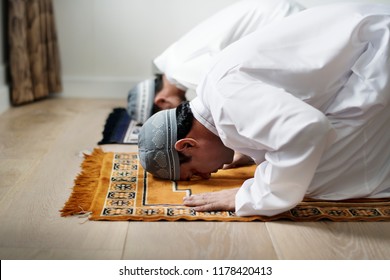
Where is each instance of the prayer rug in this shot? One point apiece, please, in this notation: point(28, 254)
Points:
point(120, 129)
point(114, 187)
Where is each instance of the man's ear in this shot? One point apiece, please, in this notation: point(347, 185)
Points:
point(160, 100)
point(185, 144)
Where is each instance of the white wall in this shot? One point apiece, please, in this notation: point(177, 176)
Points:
point(108, 45)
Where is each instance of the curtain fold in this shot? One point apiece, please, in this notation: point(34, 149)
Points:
point(35, 68)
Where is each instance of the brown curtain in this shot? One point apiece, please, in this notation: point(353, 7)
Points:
point(33, 50)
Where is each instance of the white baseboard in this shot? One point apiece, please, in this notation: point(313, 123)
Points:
point(4, 91)
point(98, 87)
point(85, 87)
point(4, 98)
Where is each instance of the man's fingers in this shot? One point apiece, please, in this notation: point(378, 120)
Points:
point(212, 201)
point(207, 207)
point(201, 204)
point(195, 200)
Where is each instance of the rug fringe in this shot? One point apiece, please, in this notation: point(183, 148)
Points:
point(85, 185)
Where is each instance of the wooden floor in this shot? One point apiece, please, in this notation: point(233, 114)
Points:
point(41, 148)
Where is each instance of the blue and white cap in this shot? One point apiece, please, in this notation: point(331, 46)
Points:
point(140, 101)
point(156, 145)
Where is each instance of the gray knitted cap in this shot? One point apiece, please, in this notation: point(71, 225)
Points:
point(156, 145)
point(140, 101)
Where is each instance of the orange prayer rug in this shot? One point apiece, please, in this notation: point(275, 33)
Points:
point(115, 187)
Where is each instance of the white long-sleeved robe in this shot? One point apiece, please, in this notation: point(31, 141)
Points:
point(308, 98)
point(185, 60)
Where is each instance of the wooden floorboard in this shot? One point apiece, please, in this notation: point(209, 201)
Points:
point(331, 240)
point(41, 149)
point(198, 240)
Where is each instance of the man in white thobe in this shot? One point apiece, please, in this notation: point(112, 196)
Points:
point(307, 98)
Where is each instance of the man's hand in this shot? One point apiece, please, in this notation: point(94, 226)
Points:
point(212, 201)
point(239, 160)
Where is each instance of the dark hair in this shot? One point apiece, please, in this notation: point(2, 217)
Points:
point(184, 119)
point(158, 82)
